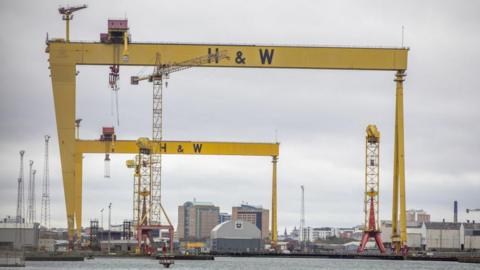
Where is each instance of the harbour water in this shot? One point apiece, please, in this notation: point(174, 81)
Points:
point(229, 263)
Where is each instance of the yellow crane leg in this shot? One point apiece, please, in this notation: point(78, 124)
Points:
point(400, 77)
point(399, 237)
point(78, 194)
point(63, 84)
point(274, 202)
point(395, 235)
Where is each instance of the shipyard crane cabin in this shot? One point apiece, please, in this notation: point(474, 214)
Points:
point(64, 56)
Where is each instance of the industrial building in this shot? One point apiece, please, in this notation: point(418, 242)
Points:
point(253, 214)
point(16, 235)
point(196, 220)
point(439, 236)
point(323, 233)
point(236, 236)
point(419, 216)
point(119, 246)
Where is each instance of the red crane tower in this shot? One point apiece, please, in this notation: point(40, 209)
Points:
point(372, 179)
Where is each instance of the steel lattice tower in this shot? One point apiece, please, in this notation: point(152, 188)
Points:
point(148, 164)
point(20, 222)
point(143, 187)
point(156, 158)
point(371, 195)
point(31, 194)
point(20, 193)
point(45, 207)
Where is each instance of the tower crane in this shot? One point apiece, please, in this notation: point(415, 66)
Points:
point(67, 15)
point(473, 210)
point(148, 164)
point(372, 180)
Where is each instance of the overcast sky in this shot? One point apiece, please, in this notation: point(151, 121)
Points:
point(320, 115)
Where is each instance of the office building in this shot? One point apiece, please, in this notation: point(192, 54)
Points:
point(255, 215)
point(222, 217)
point(196, 220)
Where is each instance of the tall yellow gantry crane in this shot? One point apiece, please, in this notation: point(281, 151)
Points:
point(64, 56)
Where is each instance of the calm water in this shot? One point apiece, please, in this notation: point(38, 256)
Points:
point(250, 263)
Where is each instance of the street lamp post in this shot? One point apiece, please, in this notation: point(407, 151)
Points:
point(109, 225)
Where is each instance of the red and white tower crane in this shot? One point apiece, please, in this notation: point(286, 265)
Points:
point(372, 179)
point(148, 164)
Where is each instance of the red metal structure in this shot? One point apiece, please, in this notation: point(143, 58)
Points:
point(145, 238)
point(372, 179)
point(371, 232)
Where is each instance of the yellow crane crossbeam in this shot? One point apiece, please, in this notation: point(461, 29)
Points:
point(246, 56)
point(179, 148)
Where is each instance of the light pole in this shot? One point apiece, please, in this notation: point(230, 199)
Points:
point(77, 128)
point(109, 225)
point(101, 217)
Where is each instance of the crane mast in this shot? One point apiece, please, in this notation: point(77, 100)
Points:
point(371, 195)
point(157, 137)
point(147, 200)
point(148, 182)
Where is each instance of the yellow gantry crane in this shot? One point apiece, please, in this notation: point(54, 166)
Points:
point(65, 56)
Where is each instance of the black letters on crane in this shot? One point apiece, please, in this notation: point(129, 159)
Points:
point(266, 55)
point(180, 149)
point(240, 59)
point(197, 147)
point(163, 147)
point(210, 54)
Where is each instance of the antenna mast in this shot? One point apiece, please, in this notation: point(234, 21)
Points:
point(45, 207)
point(302, 217)
point(19, 222)
point(31, 194)
point(20, 199)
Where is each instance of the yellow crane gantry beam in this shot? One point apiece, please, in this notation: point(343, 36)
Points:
point(179, 148)
point(245, 56)
point(65, 56)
